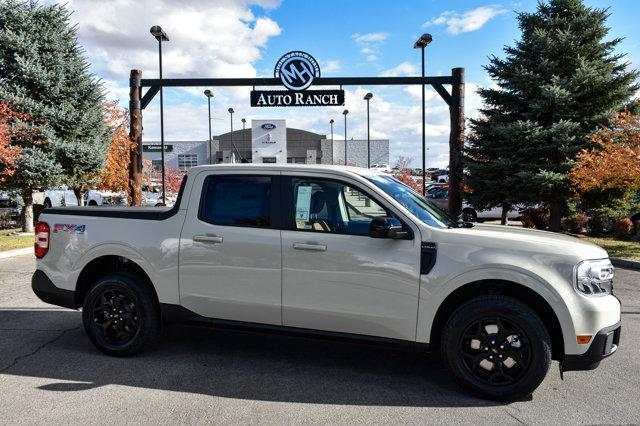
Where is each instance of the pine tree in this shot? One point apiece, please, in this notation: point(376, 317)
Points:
point(44, 74)
point(556, 85)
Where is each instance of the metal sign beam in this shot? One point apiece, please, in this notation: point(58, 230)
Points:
point(321, 81)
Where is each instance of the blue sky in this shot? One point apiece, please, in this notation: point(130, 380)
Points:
point(245, 38)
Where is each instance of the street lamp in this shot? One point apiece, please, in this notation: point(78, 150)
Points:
point(231, 111)
point(345, 112)
point(422, 42)
point(332, 147)
point(243, 139)
point(159, 34)
point(209, 94)
point(367, 98)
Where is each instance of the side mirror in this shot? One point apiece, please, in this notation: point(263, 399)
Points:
point(386, 227)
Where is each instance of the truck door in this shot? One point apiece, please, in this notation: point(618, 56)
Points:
point(230, 249)
point(336, 277)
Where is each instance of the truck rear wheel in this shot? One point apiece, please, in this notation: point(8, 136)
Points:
point(121, 315)
point(496, 348)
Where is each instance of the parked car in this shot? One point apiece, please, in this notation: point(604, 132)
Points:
point(432, 187)
point(10, 209)
point(94, 197)
point(154, 199)
point(444, 178)
point(335, 251)
point(435, 175)
point(381, 167)
point(440, 197)
point(55, 197)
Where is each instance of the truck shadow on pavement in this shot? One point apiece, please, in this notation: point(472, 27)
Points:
point(52, 345)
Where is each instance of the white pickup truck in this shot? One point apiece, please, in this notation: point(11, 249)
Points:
point(337, 251)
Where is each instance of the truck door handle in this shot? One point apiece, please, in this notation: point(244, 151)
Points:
point(208, 239)
point(310, 247)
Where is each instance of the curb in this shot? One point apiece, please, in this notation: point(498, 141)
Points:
point(623, 263)
point(16, 252)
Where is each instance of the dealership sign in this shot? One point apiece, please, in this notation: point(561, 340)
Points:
point(296, 70)
point(156, 148)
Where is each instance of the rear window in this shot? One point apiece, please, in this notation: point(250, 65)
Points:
point(237, 201)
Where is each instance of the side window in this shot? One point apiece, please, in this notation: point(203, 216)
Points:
point(237, 201)
point(330, 206)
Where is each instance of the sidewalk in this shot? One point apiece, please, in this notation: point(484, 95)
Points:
point(16, 252)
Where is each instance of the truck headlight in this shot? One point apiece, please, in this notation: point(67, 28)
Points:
point(594, 277)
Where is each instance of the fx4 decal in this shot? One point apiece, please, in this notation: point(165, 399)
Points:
point(65, 227)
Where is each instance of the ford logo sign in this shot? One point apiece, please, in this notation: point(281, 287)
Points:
point(268, 126)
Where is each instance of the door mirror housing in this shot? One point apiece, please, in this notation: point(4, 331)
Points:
point(386, 227)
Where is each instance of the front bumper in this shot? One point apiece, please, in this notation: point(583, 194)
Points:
point(604, 344)
point(49, 293)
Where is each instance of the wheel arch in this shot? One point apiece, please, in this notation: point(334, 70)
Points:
point(512, 289)
point(108, 264)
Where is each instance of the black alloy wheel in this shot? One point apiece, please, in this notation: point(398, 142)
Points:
point(496, 347)
point(121, 314)
point(115, 315)
point(495, 351)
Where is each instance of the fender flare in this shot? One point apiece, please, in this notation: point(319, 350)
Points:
point(430, 302)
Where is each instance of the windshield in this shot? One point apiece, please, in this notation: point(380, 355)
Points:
point(414, 202)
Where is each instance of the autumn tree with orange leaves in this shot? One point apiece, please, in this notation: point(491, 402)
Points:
point(614, 163)
point(403, 173)
point(115, 175)
point(8, 152)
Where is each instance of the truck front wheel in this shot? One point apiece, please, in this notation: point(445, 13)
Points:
point(497, 348)
point(121, 315)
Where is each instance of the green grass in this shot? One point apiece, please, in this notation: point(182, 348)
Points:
point(617, 248)
point(10, 242)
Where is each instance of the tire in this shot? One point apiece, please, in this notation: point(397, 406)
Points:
point(135, 328)
point(520, 333)
point(469, 215)
point(92, 203)
point(47, 203)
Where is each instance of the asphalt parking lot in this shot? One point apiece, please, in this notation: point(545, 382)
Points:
point(49, 372)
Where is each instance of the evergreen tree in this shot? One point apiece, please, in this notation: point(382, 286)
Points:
point(555, 86)
point(44, 74)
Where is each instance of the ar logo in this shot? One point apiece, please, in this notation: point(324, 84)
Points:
point(297, 70)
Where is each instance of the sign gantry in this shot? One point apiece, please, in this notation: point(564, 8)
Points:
point(297, 71)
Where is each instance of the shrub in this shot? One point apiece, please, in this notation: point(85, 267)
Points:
point(604, 218)
point(537, 217)
point(576, 223)
point(623, 229)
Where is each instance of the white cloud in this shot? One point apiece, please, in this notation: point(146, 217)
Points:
point(331, 66)
point(370, 44)
point(470, 20)
point(207, 38)
point(369, 38)
point(402, 69)
point(415, 93)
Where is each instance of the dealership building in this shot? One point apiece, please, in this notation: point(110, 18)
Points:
point(266, 141)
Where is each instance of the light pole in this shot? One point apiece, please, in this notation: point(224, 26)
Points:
point(332, 147)
point(157, 32)
point(367, 98)
point(231, 111)
point(422, 42)
point(243, 139)
point(345, 112)
point(209, 94)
